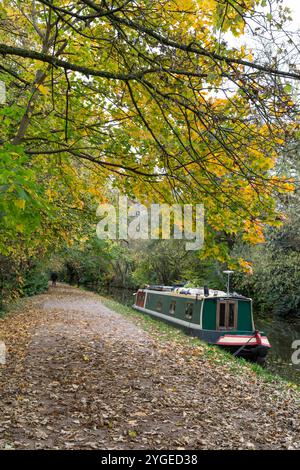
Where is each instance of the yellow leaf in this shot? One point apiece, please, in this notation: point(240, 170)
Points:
point(246, 266)
point(43, 89)
point(20, 203)
point(20, 227)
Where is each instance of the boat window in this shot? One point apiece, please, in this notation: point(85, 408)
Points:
point(159, 306)
point(222, 315)
point(172, 307)
point(140, 300)
point(231, 315)
point(226, 315)
point(189, 310)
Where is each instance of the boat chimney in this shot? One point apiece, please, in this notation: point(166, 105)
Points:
point(206, 291)
point(228, 272)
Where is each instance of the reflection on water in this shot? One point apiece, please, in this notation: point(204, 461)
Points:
point(281, 334)
point(124, 296)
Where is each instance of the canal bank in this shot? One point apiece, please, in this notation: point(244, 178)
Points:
point(281, 332)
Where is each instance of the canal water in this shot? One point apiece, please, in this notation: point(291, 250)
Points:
point(281, 333)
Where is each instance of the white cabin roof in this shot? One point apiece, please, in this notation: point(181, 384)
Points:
point(199, 291)
point(192, 292)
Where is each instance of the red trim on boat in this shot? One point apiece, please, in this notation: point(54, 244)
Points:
point(239, 340)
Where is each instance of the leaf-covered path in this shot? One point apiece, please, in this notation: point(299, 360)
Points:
point(80, 376)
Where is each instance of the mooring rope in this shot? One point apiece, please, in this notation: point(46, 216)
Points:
point(242, 347)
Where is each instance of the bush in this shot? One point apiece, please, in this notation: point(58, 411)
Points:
point(19, 278)
point(35, 281)
point(275, 282)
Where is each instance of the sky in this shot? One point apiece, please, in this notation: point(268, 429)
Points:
point(294, 5)
point(292, 27)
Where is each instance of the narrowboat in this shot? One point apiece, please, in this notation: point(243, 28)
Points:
point(216, 317)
